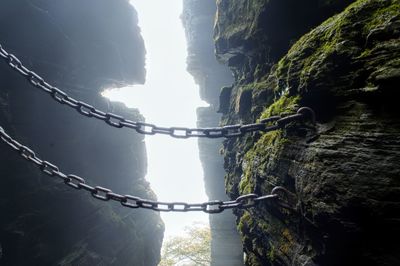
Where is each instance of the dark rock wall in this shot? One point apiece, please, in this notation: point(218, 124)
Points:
point(198, 18)
point(82, 47)
point(343, 172)
point(250, 36)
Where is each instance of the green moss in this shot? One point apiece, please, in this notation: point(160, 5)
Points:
point(247, 184)
point(257, 159)
point(286, 104)
point(324, 59)
point(257, 163)
point(334, 36)
point(263, 225)
point(365, 53)
point(245, 221)
point(382, 15)
point(269, 145)
point(272, 254)
point(258, 85)
point(257, 71)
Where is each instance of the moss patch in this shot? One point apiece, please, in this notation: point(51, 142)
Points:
point(343, 35)
point(286, 104)
point(353, 55)
point(382, 16)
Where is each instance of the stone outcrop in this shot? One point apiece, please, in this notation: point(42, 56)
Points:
point(198, 18)
point(82, 47)
point(342, 172)
point(250, 36)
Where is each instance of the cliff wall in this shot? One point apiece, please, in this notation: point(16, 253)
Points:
point(342, 172)
point(198, 20)
point(82, 47)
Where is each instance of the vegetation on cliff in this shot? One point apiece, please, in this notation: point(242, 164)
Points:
point(342, 172)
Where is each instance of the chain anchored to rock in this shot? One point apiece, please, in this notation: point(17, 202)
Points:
point(266, 125)
point(105, 194)
point(277, 194)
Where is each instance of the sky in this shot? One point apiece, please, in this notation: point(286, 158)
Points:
point(168, 98)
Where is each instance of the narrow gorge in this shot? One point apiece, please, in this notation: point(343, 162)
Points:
point(339, 202)
point(198, 19)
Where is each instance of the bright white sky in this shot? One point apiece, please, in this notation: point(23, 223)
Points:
point(169, 98)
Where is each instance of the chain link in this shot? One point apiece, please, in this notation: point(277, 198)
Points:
point(117, 121)
point(105, 194)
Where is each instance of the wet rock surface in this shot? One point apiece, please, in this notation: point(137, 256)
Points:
point(82, 47)
point(342, 173)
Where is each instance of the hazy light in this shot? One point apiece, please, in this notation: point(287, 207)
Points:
point(169, 98)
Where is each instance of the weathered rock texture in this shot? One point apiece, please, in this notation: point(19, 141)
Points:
point(82, 47)
point(343, 173)
point(198, 18)
point(250, 36)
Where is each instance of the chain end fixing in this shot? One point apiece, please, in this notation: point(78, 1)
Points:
point(307, 112)
point(290, 198)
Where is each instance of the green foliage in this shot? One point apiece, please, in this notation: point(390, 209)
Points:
point(192, 248)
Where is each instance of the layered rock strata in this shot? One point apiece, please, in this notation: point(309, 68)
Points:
point(342, 173)
point(82, 47)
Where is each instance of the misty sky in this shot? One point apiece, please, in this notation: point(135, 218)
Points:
point(169, 98)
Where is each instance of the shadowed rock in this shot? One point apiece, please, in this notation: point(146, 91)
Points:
point(343, 173)
point(82, 47)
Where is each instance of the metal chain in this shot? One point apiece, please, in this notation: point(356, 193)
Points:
point(105, 194)
point(145, 128)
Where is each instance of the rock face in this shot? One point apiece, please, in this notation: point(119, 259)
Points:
point(250, 36)
point(198, 17)
point(81, 47)
point(343, 172)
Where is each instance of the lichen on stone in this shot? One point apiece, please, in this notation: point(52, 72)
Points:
point(347, 70)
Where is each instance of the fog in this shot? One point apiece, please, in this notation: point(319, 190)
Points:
point(169, 97)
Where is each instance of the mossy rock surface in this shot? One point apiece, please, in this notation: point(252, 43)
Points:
point(343, 172)
point(251, 35)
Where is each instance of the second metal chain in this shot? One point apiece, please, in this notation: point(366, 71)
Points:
point(105, 194)
point(146, 128)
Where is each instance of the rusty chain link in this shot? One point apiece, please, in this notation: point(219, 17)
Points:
point(105, 194)
point(117, 121)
